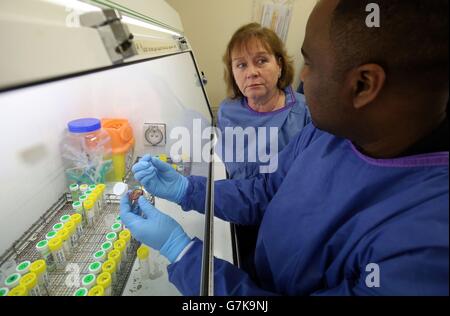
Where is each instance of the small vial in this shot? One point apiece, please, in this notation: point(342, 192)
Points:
point(143, 254)
point(56, 247)
point(74, 191)
point(82, 291)
point(64, 235)
point(107, 246)
point(23, 267)
point(39, 267)
point(30, 281)
point(19, 290)
point(50, 235)
point(134, 197)
point(117, 257)
point(100, 256)
point(93, 197)
point(111, 237)
point(98, 198)
point(95, 268)
point(12, 280)
point(58, 226)
point(125, 235)
point(88, 281)
point(44, 251)
point(92, 187)
point(88, 208)
point(97, 290)
point(73, 236)
point(116, 227)
point(104, 280)
point(64, 219)
point(110, 266)
point(78, 209)
point(121, 245)
point(83, 188)
point(76, 218)
point(101, 187)
point(4, 291)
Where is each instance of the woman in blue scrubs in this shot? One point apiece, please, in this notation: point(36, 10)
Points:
point(258, 74)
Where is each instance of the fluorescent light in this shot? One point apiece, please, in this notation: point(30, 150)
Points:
point(75, 5)
point(146, 25)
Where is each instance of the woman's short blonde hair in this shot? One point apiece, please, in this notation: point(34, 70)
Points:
point(271, 42)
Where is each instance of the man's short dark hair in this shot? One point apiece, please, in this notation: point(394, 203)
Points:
point(412, 39)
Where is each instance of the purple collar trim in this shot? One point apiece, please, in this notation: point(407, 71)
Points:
point(423, 160)
point(289, 102)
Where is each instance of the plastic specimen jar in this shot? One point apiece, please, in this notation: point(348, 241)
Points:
point(88, 281)
point(111, 237)
point(40, 268)
point(107, 246)
point(88, 208)
point(143, 254)
point(64, 219)
point(122, 247)
point(78, 209)
point(12, 280)
point(100, 256)
point(97, 290)
point(4, 291)
point(44, 251)
point(117, 257)
point(50, 235)
point(57, 227)
point(110, 266)
point(74, 191)
point(19, 290)
point(104, 279)
point(23, 267)
point(95, 267)
point(82, 291)
point(76, 218)
point(73, 236)
point(30, 281)
point(64, 235)
point(116, 227)
point(56, 247)
point(125, 235)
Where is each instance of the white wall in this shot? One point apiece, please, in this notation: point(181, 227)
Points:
point(209, 25)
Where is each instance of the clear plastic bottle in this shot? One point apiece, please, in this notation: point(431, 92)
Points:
point(44, 250)
point(87, 152)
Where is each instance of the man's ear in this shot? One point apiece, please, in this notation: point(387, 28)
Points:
point(367, 81)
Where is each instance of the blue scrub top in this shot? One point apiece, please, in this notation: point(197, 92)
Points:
point(330, 219)
point(237, 113)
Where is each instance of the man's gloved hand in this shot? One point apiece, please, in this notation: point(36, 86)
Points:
point(157, 230)
point(160, 179)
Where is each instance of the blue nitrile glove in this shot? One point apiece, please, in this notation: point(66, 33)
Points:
point(160, 179)
point(157, 230)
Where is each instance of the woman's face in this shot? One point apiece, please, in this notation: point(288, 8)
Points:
point(255, 70)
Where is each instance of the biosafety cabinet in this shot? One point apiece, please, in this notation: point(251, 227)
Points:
point(63, 60)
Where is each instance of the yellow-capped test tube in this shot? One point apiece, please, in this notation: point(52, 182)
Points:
point(104, 279)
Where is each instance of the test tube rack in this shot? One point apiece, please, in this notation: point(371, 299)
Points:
point(82, 255)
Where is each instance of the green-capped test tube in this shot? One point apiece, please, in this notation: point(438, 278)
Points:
point(81, 292)
point(74, 191)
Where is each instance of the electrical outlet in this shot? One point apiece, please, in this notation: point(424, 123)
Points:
point(155, 134)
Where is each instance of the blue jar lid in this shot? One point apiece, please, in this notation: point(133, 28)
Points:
point(84, 125)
